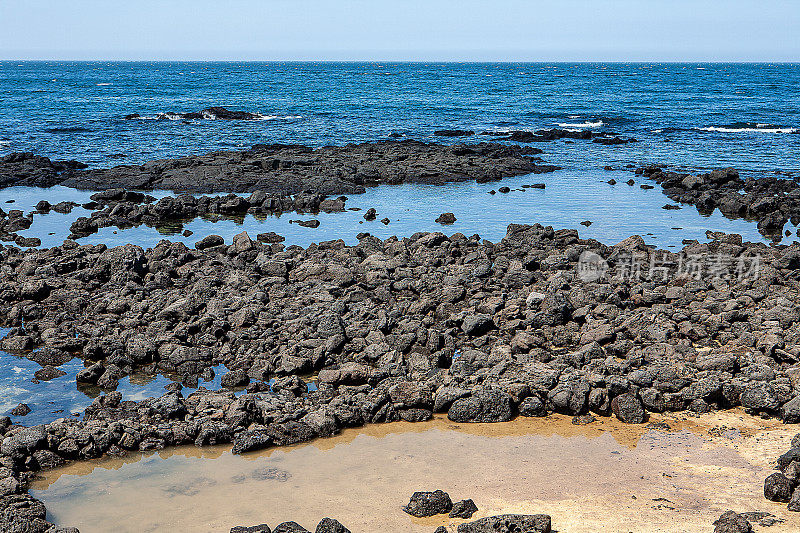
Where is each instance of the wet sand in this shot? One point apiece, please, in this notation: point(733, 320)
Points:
point(604, 476)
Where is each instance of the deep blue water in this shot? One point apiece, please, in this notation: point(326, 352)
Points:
point(695, 115)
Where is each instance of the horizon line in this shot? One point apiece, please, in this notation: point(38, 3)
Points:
point(408, 61)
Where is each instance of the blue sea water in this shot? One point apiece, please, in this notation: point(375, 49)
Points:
point(693, 115)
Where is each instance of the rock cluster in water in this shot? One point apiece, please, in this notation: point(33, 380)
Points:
point(279, 169)
point(125, 209)
point(524, 136)
point(769, 200)
point(394, 329)
point(210, 113)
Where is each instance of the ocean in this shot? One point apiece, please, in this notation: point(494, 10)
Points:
point(690, 115)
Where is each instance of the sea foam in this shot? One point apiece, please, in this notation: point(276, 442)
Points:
point(749, 127)
point(582, 125)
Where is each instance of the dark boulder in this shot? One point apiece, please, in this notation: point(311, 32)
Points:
point(90, 374)
point(209, 242)
point(463, 509)
point(424, 504)
point(487, 405)
point(24, 442)
point(251, 440)
point(46, 373)
point(329, 525)
point(21, 410)
point(476, 325)
point(777, 488)
point(731, 522)
point(454, 133)
point(290, 527)
point(446, 218)
point(628, 409)
point(235, 378)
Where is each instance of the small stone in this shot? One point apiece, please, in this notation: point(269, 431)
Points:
point(582, 420)
point(532, 406)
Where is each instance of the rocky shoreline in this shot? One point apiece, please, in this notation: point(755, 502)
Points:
point(541, 322)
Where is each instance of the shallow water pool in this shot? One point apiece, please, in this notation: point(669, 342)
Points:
point(570, 197)
point(604, 476)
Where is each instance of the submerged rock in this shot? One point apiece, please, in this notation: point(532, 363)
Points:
point(509, 523)
point(263, 528)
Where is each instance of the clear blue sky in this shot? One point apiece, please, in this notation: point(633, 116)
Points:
point(493, 30)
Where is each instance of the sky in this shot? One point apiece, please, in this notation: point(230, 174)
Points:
point(408, 30)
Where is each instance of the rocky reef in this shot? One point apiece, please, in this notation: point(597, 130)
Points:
point(288, 169)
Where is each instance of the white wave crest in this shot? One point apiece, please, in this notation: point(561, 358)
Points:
point(259, 116)
point(722, 129)
point(160, 116)
point(582, 125)
point(103, 84)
